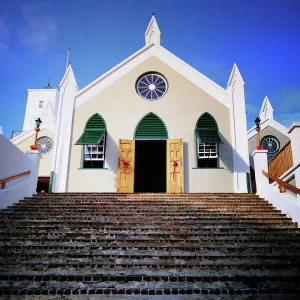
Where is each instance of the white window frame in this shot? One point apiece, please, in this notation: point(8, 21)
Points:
point(89, 150)
point(206, 151)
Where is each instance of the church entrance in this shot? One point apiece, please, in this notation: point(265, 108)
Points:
point(151, 162)
point(150, 166)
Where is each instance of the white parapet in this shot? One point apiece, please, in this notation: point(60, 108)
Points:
point(13, 162)
point(260, 158)
point(282, 201)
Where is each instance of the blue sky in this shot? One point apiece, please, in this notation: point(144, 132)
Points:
point(261, 36)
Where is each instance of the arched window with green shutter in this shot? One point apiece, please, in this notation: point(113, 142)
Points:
point(151, 127)
point(93, 141)
point(207, 141)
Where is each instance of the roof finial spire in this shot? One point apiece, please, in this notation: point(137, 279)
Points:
point(266, 111)
point(152, 34)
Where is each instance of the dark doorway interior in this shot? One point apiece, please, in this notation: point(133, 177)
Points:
point(150, 167)
point(43, 184)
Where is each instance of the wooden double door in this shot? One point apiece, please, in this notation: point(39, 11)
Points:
point(150, 166)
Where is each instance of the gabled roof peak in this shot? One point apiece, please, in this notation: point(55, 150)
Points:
point(235, 75)
point(266, 111)
point(152, 34)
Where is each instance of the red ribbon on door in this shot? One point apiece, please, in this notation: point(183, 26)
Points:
point(126, 165)
point(175, 165)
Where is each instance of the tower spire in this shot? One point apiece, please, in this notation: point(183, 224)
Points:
point(152, 34)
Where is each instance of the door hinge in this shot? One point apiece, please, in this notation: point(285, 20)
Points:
point(180, 161)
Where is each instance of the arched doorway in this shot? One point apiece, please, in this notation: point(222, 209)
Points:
point(150, 155)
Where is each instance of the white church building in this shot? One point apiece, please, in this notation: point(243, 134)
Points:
point(150, 124)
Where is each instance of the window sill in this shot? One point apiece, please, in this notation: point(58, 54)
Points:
point(93, 169)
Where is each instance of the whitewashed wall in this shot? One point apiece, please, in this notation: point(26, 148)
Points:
point(180, 109)
point(47, 113)
point(12, 162)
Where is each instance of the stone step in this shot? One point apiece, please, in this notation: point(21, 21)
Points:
point(149, 239)
point(144, 195)
point(291, 293)
point(141, 255)
point(152, 263)
point(186, 234)
point(138, 245)
point(152, 220)
point(289, 250)
point(289, 230)
point(130, 212)
point(172, 241)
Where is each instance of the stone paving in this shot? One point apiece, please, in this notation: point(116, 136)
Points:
point(148, 246)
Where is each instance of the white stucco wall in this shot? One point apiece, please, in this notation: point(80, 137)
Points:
point(13, 162)
point(47, 113)
point(180, 109)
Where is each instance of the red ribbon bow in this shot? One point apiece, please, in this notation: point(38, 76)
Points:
point(126, 165)
point(175, 165)
point(32, 147)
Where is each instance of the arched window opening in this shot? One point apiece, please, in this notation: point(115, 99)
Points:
point(207, 142)
point(93, 141)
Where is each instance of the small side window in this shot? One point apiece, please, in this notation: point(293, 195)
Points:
point(41, 104)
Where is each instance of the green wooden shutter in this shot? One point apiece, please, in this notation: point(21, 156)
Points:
point(208, 136)
point(207, 129)
point(94, 132)
point(151, 127)
point(206, 121)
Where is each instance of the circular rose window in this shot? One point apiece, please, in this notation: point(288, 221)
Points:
point(270, 143)
point(151, 86)
point(44, 145)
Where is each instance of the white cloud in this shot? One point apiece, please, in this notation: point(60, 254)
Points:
point(40, 29)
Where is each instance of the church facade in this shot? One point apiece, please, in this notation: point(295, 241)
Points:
point(150, 124)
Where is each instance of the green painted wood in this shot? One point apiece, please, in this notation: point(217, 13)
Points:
point(151, 127)
point(95, 122)
point(207, 130)
point(207, 121)
point(91, 137)
point(208, 136)
point(94, 132)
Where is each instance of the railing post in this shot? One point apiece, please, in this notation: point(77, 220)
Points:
point(260, 158)
point(33, 165)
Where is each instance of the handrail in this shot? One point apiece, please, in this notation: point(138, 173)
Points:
point(281, 183)
point(5, 180)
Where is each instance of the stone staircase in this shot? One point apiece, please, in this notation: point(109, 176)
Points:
point(136, 245)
